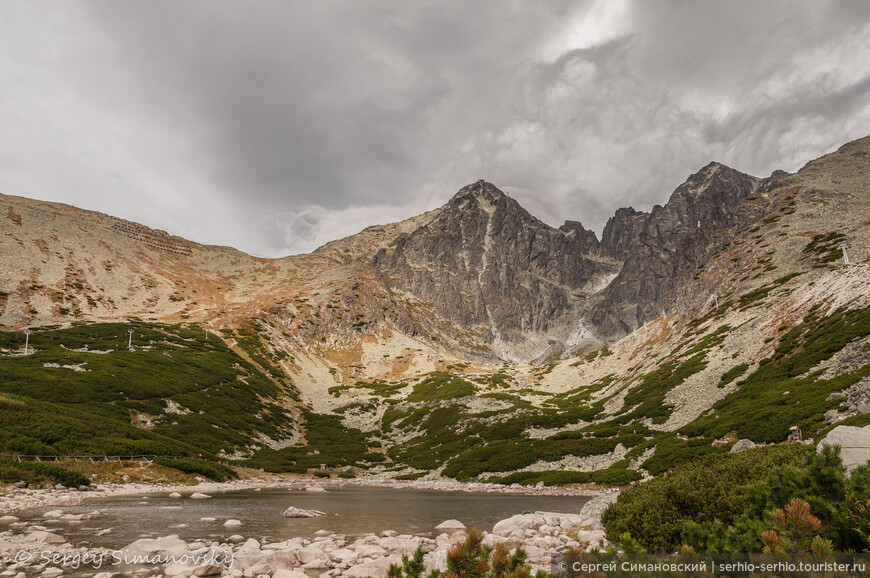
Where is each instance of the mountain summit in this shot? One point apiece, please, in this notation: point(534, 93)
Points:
point(484, 263)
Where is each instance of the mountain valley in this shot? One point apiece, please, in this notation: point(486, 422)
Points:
point(473, 342)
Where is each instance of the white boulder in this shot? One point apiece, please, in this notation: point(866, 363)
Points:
point(449, 525)
point(292, 512)
point(855, 444)
point(167, 546)
point(519, 522)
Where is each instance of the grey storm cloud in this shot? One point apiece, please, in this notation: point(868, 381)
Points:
point(278, 126)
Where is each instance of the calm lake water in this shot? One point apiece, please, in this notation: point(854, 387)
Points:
point(350, 511)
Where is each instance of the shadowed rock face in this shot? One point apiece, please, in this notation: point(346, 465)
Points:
point(672, 241)
point(622, 233)
point(484, 260)
point(586, 240)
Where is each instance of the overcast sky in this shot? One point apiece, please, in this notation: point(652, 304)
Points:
point(277, 126)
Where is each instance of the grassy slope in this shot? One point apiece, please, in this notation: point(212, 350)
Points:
point(49, 410)
point(45, 410)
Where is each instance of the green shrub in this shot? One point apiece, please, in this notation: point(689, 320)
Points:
point(615, 476)
point(671, 451)
point(709, 491)
point(733, 374)
point(34, 472)
point(213, 471)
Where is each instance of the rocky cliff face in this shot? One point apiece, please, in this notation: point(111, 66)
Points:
point(672, 242)
point(485, 262)
point(586, 241)
point(622, 233)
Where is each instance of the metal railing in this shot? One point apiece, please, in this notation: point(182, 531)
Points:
point(92, 459)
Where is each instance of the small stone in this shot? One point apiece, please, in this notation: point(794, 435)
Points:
point(284, 573)
point(232, 523)
point(199, 496)
point(125, 478)
point(174, 495)
point(292, 512)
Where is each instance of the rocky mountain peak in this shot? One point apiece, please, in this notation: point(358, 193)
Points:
point(480, 190)
point(621, 233)
point(486, 264)
point(586, 239)
point(670, 244)
point(486, 197)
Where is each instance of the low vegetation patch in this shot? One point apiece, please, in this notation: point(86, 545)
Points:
point(12, 471)
point(81, 391)
point(709, 491)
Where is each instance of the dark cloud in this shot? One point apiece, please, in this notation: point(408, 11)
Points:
point(276, 126)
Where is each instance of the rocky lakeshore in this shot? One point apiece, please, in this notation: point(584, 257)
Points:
point(30, 548)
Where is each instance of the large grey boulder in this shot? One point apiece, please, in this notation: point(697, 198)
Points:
point(165, 547)
point(854, 443)
point(742, 445)
point(45, 537)
point(518, 522)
